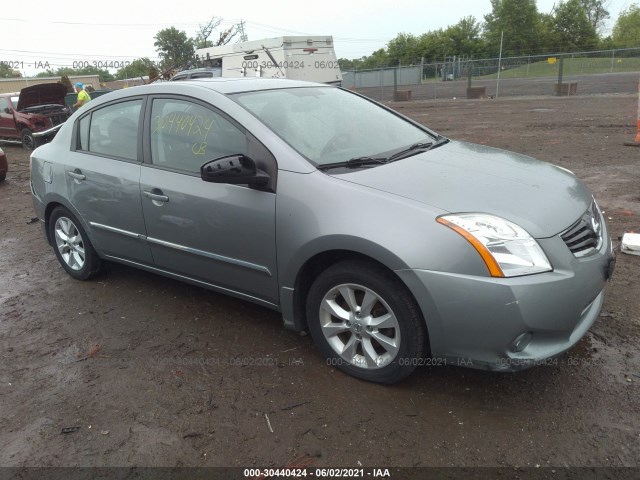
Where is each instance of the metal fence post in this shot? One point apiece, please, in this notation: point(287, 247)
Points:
point(560, 69)
point(613, 55)
point(499, 65)
point(395, 83)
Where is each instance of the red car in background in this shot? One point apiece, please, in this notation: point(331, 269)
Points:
point(4, 167)
point(33, 116)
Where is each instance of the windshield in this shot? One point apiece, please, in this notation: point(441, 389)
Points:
point(329, 125)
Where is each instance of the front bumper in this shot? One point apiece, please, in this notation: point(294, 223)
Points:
point(510, 324)
point(50, 132)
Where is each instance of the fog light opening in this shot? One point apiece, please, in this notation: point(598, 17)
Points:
point(520, 343)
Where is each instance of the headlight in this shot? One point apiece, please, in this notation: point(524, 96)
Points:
point(507, 249)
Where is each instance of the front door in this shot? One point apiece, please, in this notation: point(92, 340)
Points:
point(218, 234)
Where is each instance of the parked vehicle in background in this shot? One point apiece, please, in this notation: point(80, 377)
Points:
point(312, 59)
point(392, 245)
point(70, 99)
point(4, 165)
point(197, 73)
point(34, 115)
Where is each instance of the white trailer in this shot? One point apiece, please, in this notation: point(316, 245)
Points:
point(298, 58)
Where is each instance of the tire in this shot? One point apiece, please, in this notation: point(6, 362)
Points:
point(72, 245)
point(29, 142)
point(344, 306)
point(2, 177)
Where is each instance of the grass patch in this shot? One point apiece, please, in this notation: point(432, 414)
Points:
point(572, 66)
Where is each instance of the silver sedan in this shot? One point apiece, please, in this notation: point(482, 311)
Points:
point(392, 245)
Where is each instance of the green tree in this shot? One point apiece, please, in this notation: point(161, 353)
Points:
point(174, 48)
point(103, 75)
point(201, 40)
point(571, 28)
point(137, 68)
point(464, 37)
point(597, 12)
point(626, 32)
point(520, 22)
point(46, 73)
point(64, 80)
point(7, 72)
point(403, 50)
point(377, 59)
point(153, 73)
point(434, 46)
point(347, 65)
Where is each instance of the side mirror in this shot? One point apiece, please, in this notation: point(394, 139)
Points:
point(6, 110)
point(235, 169)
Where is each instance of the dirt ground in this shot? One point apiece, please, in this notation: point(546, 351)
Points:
point(156, 372)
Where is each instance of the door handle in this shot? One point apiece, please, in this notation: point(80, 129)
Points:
point(77, 174)
point(156, 197)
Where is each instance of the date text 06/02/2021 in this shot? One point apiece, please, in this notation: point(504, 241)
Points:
point(316, 472)
point(291, 64)
point(418, 362)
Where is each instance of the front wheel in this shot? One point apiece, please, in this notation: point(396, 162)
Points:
point(29, 142)
point(72, 245)
point(365, 322)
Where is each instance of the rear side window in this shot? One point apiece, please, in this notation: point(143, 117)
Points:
point(111, 130)
point(202, 75)
point(184, 135)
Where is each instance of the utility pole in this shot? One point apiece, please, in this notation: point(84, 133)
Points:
point(243, 34)
point(499, 64)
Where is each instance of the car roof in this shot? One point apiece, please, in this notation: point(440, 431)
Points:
point(247, 84)
point(231, 85)
point(191, 87)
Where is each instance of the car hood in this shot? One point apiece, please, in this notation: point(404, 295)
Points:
point(463, 177)
point(42, 94)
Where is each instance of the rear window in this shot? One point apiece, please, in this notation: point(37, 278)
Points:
point(111, 130)
point(202, 75)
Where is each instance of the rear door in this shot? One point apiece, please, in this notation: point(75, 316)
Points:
point(220, 235)
point(103, 178)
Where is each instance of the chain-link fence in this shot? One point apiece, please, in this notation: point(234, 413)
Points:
point(587, 73)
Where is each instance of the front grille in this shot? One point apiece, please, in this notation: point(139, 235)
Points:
point(585, 236)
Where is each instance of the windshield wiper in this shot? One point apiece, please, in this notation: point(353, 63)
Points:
point(357, 162)
point(411, 150)
point(360, 162)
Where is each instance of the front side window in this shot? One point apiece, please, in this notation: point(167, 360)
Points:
point(111, 130)
point(184, 135)
point(328, 125)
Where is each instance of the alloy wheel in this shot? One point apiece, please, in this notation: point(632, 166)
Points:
point(359, 326)
point(70, 243)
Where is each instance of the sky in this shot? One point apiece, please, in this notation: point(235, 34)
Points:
point(64, 33)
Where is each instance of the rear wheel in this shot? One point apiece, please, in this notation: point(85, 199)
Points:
point(365, 322)
point(72, 245)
